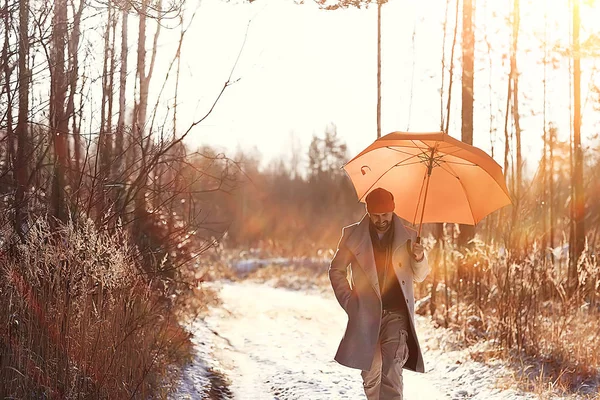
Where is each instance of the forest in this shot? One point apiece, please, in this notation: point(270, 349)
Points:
point(113, 219)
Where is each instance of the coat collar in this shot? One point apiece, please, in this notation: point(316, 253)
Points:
point(360, 237)
point(401, 234)
point(359, 243)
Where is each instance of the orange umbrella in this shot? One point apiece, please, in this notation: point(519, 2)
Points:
point(432, 176)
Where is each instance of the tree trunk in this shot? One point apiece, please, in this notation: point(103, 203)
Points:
point(21, 170)
point(108, 152)
point(105, 137)
point(579, 199)
point(439, 235)
point(545, 176)
point(178, 56)
point(122, 88)
point(506, 135)
point(142, 106)
point(451, 72)
point(544, 194)
point(468, 51)
point(7, 70)
point(59, 127)
point(378, 69)
point(552, 136)
point(514, 73)
point(141, 109)
point(119, 151)
point(73, 78)
point(439, 228)
point(443, 66)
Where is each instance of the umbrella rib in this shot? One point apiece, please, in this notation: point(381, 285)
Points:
point(401, 152)
point(451, 153)
point(402, 164)
point(392, 146)
point(451, 172)
point(460, 163)
point(388, 170)
point(425, 147)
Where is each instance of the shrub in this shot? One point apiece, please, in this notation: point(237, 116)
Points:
point(80, 319)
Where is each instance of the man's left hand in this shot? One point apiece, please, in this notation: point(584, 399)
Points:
point(418, 251)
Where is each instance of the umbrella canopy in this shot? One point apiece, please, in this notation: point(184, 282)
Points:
point(433, 177)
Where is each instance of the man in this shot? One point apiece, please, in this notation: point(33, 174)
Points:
point(384, 260)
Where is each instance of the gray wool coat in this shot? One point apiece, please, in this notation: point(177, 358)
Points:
point(359, 295)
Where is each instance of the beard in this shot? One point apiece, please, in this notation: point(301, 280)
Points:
point(382, 226)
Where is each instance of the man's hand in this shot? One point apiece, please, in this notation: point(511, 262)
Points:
point(418, 251)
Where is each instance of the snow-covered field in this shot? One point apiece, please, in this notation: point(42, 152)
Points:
point(275, 343)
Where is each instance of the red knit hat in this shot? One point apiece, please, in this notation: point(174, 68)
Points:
point(380, 201)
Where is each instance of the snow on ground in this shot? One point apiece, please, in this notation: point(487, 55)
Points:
point(204, 378)
point(275, 343)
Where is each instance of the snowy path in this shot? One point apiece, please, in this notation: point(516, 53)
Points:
point(275, 343)
point(283, 344)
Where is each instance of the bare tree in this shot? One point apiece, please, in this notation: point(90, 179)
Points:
point(104, 148)
point(122, 88)
point(379, 68)
point(142, 138)
point(468, 61)
point(7, 71)
point(451, 71)
point(439, 229)
point(20, 165)
point(73, 49)
point(514, 76)
point(59, 128)
point(578, 241)
point(551, 140)
point(547, 163)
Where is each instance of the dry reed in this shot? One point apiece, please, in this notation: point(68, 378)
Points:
point(81, 320)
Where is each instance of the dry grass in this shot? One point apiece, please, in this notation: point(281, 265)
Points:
point(518, 301)
point(80, 320)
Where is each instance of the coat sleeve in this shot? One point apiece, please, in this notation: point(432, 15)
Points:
point(338, 270)
point(420, 268)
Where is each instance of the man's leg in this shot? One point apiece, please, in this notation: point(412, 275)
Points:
point(372, 378)
point(394, 353)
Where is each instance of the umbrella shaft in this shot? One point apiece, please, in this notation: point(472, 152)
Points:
point(423, 210)
point(429, 169)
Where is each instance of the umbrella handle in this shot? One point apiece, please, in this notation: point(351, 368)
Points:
point(418, 239)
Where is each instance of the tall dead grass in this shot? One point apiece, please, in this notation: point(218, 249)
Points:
point(80, 319)
point(520, 302)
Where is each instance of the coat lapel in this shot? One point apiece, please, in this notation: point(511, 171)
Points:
point(401, 234)
point(359, 243)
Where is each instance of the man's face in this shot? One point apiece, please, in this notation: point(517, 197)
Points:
point(381, 221)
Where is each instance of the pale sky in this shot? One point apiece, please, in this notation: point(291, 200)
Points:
point(303, 68)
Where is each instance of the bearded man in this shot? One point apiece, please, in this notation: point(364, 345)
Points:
point(383, 259)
